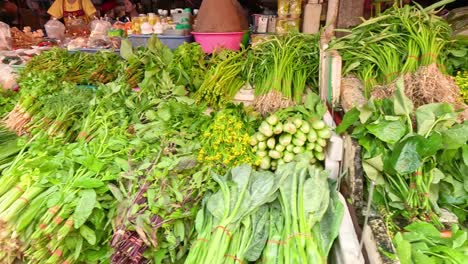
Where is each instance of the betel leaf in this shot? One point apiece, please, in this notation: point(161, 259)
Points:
point(388, 131)
point(351, 117)
point(88, 234)
point(402, 105)
point(456, 136)
point(405, 157)
point(373, 168)
point(427, 115)
point(426, 229)
point(366, 111)
point(85, 207)
point(403, 249)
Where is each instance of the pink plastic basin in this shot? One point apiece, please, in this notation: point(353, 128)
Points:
point(211, 41)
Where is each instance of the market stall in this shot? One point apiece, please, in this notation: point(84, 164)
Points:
point(222, 136)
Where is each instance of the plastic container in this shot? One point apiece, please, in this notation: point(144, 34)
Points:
point(178, 14)
point(211, 41)
point(171, 41)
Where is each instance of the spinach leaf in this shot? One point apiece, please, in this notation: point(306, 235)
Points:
point(387, 131)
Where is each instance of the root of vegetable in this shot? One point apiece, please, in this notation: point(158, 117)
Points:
point(271, 102)
point(17, 120)
point(427, 85)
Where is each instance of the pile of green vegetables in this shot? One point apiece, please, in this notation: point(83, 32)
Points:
point(104, 174)
point(290, 217)
point(291, 132)
point(398, 41)
point(417, 159)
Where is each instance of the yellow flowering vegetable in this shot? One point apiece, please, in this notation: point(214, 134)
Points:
point(226, 143)
point(462, 81)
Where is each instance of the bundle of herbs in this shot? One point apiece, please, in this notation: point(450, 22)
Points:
point(286, 63)
point(189, 66)
point(161, 193)
point(49, 107)
point(413, 157)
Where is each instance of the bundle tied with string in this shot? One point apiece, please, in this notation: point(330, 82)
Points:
point(427, 85)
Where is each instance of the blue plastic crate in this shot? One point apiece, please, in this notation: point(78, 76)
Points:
point(171, 41)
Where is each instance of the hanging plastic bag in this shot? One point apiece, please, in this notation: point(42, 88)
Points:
point(5, 37)
point(77, 27)
point(8, 77)
point(55, 29)
point(99, 28)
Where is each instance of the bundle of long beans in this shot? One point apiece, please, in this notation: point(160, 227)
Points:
point(398, 41)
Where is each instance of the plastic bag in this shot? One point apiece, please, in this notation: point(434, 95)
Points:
point(283, 8)
point(295, 8)
point(77, 27)
point(99, 28)
point(8, 77)
point(55, 29)
point(5, 37)
point(101, 42)
point(77, 43)
point(288, 25)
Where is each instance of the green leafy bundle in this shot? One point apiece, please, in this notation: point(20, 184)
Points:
point(188, 66)
point(292, 216)
point(412, 164)
point(224, 226)
point(396, 42)
point(310, 217)
point(223, 79)
point(286, 64)
point(225, 142)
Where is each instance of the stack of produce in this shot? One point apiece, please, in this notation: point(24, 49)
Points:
point(221, 16)
point(290, 132)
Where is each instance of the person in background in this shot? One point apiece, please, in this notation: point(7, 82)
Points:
point(72, 9)
point(107, 8)
point(8, 12)
point(130, 8)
